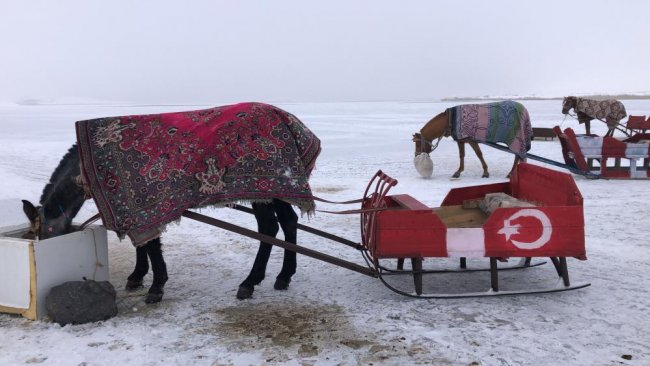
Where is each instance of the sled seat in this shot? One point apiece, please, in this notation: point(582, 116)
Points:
point(637, 124)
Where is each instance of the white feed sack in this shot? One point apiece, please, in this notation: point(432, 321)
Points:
point(423, 164)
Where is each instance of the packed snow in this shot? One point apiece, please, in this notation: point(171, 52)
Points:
point(331, 315)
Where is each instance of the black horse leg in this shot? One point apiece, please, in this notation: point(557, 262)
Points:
point(289, 223)
point(134, 281)
point(159, 269)
point(267, 224)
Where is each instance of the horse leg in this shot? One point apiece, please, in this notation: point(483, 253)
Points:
point(267, 224)
point(461, 155)
point(134, 281)
point(159, 269)
point(479, 154)
point(289, 224)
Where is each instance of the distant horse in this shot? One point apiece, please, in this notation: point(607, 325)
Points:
point(505, 121)
point(266, 167)
point(610, 111)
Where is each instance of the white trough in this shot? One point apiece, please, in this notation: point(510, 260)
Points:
point(30, 268)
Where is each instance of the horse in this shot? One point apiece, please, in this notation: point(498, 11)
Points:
point(72, 183)
point(505, 121)
point(609, 110)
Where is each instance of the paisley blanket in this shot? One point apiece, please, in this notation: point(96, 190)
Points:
point(143, 171)
point(609, 110)
point(506, 122)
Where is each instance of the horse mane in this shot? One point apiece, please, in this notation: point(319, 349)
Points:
point(435, 127)
point(62, 188)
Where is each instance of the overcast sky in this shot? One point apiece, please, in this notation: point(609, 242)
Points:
point(335, 50)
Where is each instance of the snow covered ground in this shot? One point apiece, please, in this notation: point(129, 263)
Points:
point(330, 315)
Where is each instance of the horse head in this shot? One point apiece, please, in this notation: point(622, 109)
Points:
point(44, 223)
point(421, 144)
point(568, 103)
point(60, 201)
point(435, 129)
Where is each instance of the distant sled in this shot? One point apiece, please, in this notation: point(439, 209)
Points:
point(606, 157)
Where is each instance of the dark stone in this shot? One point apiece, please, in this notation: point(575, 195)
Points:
point(79, 302)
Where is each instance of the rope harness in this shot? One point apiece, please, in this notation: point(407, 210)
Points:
point(424, 142)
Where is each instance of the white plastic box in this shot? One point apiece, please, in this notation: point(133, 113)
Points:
point(30, 268)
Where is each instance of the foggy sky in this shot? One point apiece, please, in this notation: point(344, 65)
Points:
point(206, 52)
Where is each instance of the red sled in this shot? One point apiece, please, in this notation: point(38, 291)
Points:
point(538, 213)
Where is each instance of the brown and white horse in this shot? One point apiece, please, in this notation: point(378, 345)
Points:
point(445, 124)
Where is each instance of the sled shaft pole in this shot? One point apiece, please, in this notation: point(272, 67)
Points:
point(280, 243)
point(545, 160)
point(311, 230)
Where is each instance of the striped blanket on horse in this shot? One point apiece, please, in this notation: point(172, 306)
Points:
point(143, 171)
point(506, 122)
point(609, 110)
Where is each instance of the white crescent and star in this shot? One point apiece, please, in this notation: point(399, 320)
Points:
point(509, 229)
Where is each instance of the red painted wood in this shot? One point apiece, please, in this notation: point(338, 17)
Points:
point(553, 228)
point(408, 202)
point(573, 146)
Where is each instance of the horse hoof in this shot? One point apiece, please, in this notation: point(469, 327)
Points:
point(486, 175)
point(153, 298)
point(456, 175)
point(245, 292)
point(133, 285)
point(281, 284)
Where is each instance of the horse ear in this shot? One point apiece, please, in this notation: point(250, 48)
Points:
point(30, 211)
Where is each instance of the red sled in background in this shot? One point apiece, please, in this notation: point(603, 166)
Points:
point(607, 157)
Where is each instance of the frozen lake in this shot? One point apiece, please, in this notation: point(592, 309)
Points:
point(330, 315)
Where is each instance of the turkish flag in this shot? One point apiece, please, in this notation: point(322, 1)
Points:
point(535, 232)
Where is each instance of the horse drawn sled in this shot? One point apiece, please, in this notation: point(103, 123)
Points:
point(537, 213)
point(144, 172)
point(606, 156)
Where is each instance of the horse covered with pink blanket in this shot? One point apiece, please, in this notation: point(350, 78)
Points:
point(505, 121)
point(144, 171)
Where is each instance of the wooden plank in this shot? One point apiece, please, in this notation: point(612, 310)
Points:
point(457, 216)
point(543, 133)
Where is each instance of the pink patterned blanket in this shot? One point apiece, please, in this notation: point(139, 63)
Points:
point(505, 121)
point(143, 171)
